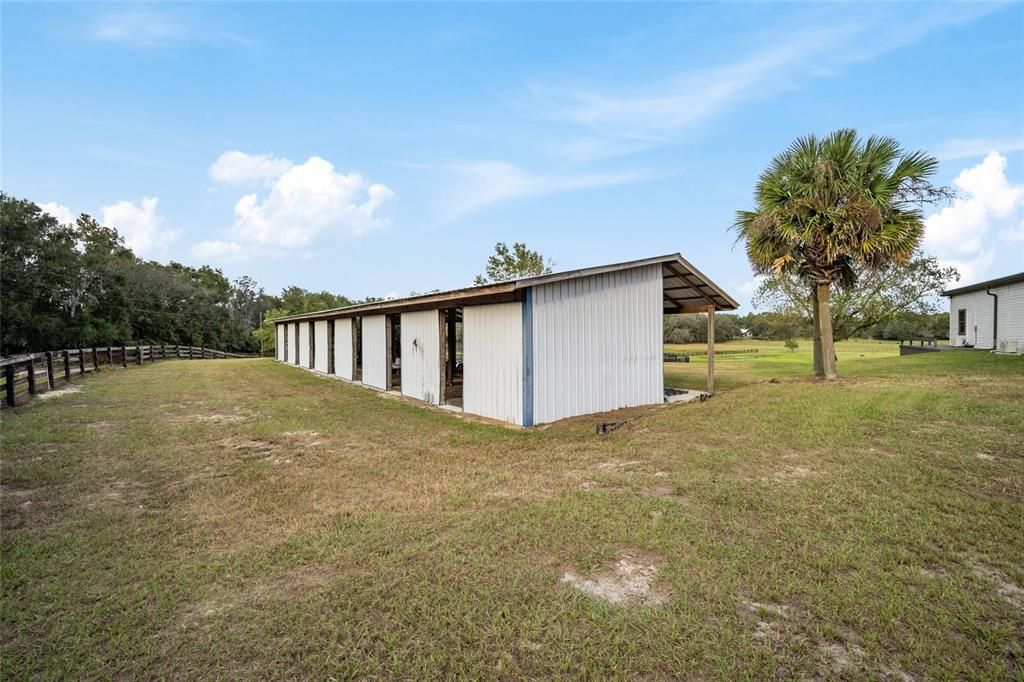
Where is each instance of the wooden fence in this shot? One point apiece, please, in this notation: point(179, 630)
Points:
point(27, 375)
point(685, 356)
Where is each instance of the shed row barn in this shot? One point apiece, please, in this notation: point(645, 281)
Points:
point(528, 351)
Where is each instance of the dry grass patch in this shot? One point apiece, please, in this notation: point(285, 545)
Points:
point(322, 532)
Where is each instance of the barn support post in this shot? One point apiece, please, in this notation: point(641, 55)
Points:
point(49, 370)
point(442, 347)
point(312, 343)
point(330, 347)
point(711, 349)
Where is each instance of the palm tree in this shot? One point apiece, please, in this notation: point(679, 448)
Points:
point(825, 206)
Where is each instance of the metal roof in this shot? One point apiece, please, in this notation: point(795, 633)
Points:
point(998, 282)
point(686, 289)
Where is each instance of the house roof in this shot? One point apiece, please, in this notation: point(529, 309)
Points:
point(686, 289)
point(998, 282)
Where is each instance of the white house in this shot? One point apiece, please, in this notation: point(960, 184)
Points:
point(527, 351)
point(988, 314)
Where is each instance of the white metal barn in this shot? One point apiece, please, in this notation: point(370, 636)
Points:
point(988, 314)
point(528, 351)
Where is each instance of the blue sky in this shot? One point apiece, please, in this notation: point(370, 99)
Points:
point(377, 149)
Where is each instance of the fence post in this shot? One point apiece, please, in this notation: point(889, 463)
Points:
point(9, 381)
point(49, 369)
point(110, 355)
point(138, 349)
point(81, 361)
point(191, 352)
point(163, 351)
point(202, 352)
point(31, 376)
point(67, 366)
point(124, 356)
point(95, 360)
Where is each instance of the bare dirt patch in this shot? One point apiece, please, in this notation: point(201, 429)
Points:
point(59, 392)
point(842, 658)
point(219, 418)
point(768, 618)
point(795, 472)
point(630, 581)
point(1008, 590)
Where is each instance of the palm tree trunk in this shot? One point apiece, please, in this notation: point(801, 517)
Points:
point(819, 365)
point(828, 345)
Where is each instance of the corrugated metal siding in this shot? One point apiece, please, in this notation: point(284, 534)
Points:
point(979, 307)
point(421, 349)
point(293, 347)
point(492, 352)
point(343, 348)
point(597, 343)
point(280, 331)
point(1011, 313)
point(320, 350)
point(375, 362)
point(303, 344)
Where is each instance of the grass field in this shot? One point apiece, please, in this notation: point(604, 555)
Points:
point(227, 519)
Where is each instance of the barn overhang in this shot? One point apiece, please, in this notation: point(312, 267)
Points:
point(685, 289)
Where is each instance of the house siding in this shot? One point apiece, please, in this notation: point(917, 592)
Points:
point(280, 331)
point(980, 307)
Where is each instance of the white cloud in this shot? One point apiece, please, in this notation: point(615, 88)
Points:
point(239, 168)
point(62, 213)
point(968, 147)
point(218, 250)
point(960, 234)
point(140, 225)
point(306, 200)
point(824, 44)
point(486, 183)
point(148, 28)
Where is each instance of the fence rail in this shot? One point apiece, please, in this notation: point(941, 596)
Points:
point(685, 356)
point(24, 376)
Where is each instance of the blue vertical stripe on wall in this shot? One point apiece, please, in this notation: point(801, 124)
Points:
point(528, 356)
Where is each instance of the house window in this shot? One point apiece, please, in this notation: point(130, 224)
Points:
point(961, 322)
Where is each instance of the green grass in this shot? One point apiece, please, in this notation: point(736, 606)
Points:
point(856, 357)
point(245, 519)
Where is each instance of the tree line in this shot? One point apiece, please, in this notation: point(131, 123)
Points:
point(77, 285)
